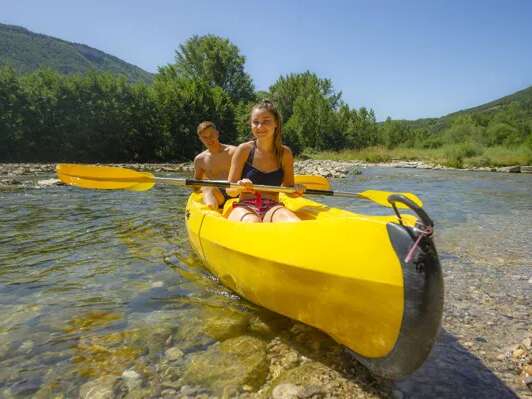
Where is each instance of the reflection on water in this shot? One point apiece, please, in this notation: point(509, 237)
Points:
point(93, 281)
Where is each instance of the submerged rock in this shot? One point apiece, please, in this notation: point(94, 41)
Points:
point(229, 365)
point(173, 354)
point(287, 391)
point(106, 354)
point(25, 387)
point(132, 379)
point(268, 324)
point(315, 378)
point(222, 324)
point(101, 388)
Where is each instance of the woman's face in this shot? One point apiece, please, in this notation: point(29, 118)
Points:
point(263, 124)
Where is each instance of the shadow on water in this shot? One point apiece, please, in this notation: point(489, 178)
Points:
point(451, 371)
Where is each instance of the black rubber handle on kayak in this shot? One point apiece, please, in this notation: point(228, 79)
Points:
point(392, 199)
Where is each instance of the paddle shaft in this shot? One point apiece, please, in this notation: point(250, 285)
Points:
point(257, 187)
point(117, 178)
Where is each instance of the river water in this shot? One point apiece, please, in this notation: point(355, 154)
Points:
point(100, 284)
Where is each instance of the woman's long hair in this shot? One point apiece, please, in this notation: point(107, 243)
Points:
point(267, 105)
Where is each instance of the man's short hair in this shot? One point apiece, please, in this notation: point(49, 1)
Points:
point(205, 125)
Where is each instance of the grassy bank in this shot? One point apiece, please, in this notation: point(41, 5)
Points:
point(454, 155)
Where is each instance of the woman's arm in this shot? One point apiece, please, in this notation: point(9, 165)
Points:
point(237, 162)
point(237, 165)
point(288, 167)
point(288, 173)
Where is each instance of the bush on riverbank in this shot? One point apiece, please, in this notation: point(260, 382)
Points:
point(452, 155)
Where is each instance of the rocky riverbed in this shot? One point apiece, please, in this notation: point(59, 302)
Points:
point(232, 352)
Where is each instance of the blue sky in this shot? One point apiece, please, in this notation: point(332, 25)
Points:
point(404, 59)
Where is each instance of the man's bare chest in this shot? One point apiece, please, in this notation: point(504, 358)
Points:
point(216, 164)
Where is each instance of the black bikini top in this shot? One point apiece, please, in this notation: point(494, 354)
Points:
point(274, 178)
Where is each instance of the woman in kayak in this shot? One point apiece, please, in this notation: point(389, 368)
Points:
point(264, 160)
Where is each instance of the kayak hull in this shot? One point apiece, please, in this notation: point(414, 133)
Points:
point(340, 272)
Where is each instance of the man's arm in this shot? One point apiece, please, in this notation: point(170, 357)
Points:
point(199, 171)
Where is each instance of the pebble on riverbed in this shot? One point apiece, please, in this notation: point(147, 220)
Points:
point(519, 358)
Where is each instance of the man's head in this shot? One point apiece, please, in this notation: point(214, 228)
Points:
point(208, 134)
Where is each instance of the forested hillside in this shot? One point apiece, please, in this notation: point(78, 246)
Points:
point(521, 100)
point(96, 116)
point(503, 122)
point(26, 52)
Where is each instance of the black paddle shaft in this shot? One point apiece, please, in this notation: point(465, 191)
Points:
point(226, 184)
point(207, 183)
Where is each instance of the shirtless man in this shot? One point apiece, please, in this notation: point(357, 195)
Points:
point(212, 164)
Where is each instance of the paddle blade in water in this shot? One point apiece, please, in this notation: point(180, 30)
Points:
point(104, 177)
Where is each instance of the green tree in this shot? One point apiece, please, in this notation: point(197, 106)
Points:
point(40, 138)
point(499, 133)
point(12, 102)
point(358, 127)
point(313, 125)
point(463, 128)
point(182, 105)
point(394, 133)
point(217, 62)
point(308, 106)
point(366, 132)
point(287, 89)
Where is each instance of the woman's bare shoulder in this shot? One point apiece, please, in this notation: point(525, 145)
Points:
point(244, 147)
point(287, 149)
point(287, 152)
point(243, 150)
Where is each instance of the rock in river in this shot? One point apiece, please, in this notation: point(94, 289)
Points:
point(229, 365)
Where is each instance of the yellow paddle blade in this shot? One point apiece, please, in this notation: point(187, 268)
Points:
point(381, 198)
point(313, 182)
point(104, 177)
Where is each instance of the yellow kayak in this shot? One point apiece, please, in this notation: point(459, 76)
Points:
point(361, 279)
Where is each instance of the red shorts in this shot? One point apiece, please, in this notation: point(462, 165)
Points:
point(257, 205)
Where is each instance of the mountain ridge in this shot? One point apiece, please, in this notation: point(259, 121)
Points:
point(26, 51)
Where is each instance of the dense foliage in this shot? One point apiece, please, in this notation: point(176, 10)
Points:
point(506, 123)
point(26, 52)
point(216, 62)
point(47, 116)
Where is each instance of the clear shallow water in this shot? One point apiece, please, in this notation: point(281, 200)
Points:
point(90, 279)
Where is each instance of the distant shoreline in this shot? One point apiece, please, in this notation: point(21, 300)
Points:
point(12, 174)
